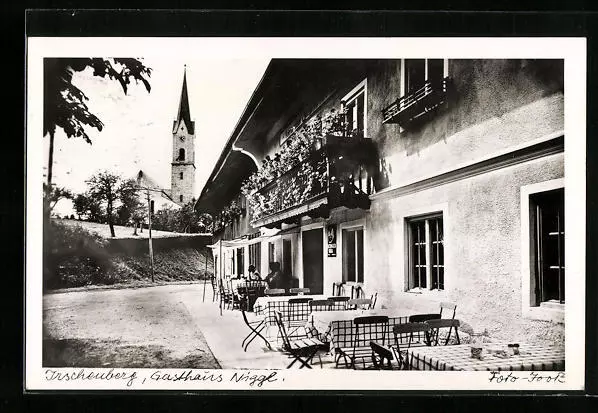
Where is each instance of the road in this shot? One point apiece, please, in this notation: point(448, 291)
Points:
point(142, 327)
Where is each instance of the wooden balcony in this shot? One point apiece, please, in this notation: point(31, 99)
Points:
point(336, 175)
point(413, 106)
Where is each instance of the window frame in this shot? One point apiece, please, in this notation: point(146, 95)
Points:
point(357, 264)
point(409, 245)
point(556, 312)
point(361, 88)
point(403, 85)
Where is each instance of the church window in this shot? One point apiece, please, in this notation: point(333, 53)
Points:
point(181, 198)
point(152, 207)
point(181, 155)
point(180, 175)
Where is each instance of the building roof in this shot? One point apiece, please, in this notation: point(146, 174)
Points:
point(184, 114)
point(287, 86)
point(145, 181)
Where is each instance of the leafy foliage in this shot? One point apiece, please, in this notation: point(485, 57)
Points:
point(185, 219)
point(65, 104)
point(54, 194)
point(87, 205)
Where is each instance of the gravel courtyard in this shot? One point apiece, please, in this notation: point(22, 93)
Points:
point(134, 327)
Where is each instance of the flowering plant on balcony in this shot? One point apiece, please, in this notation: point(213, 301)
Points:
point(311, 178)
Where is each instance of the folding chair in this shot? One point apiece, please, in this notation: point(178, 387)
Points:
point(359, 303)
point(320, 305)
point(339, 303)
point(215, 289)
point(299, 290)
point(379, 355)
point(367, 329)
point(338, 289)
point(357, 291)
point(251, 291)
point(374, 299)
point(442, 323)
point(302, 349)
point(269, 292)
point(226, 296)
point(297, 314)
point(256, 328)
point(399, 331)
point(448, 307)
point(420, 318)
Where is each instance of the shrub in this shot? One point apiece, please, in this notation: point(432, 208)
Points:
point(74, 256)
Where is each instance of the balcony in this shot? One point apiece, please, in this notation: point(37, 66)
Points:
point(335, 175)
point(414, 106)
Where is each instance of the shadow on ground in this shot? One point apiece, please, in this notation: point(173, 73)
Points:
point(113, 353)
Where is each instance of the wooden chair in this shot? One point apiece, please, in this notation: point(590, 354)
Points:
point(256, 327)
point(321, 305)
point(359, 303)
point(380, 354)
point(409, 329)
point(300, 348)
point(269, 292)
point(366, 329)
point(299, 290)
point(443, 323)
point(339, 303)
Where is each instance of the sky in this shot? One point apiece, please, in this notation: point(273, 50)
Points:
point(137, 131)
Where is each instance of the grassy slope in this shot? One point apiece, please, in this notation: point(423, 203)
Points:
point(91, 264)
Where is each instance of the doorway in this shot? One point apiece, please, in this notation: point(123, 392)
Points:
point(313, 260)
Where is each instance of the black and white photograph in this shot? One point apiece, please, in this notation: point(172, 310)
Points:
point(290, 213)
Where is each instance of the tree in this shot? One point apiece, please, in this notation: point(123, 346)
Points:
point(104, 186)
point(54, 194)
point(64, 103)
point(130, 209)
point(86, 204)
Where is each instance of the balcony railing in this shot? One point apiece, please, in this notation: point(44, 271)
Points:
point(335, 175)
point(416, 104)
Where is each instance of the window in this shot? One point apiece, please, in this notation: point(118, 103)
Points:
point(152, 206)
point(548, 252)
point(180, 175)
point(181, 155)
point(353, 255)
point(426, 253)
point(355, 105)
point(418, 71)
point(271, 256)
point(287, 257)
point(181, 198)
point(255, 254)
point(240, 260)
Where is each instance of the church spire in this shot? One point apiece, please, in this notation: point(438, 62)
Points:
point(184, 111)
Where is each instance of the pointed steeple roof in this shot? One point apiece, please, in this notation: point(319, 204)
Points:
point(184, 111)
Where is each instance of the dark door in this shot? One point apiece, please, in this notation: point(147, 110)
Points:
point(313, 260)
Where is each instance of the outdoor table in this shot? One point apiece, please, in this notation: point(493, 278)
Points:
point(458, 357)
point(262, 304)
point(337, 328)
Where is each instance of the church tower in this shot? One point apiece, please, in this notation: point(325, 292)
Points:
point(182, 180)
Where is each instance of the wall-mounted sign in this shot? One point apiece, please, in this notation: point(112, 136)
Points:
point(331, 232)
